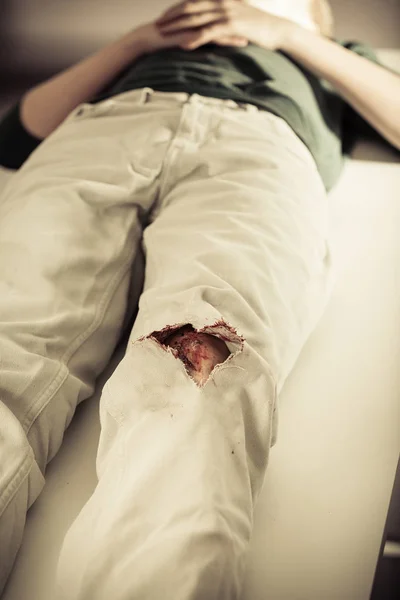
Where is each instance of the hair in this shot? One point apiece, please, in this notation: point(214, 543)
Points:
point(315, 15)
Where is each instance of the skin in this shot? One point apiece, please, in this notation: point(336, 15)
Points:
point(200, 352)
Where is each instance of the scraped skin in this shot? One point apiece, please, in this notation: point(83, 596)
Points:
point(200, 352)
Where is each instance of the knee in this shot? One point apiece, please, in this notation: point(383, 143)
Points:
point(200, 352)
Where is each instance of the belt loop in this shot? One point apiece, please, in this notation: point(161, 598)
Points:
point(146, 95)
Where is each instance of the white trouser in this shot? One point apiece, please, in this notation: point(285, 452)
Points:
point(228, 207)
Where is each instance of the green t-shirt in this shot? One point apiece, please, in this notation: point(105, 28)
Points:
point(268, 79)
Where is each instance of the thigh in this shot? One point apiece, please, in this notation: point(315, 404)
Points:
point(69, 232)
point(70, 228)
point(243, 228)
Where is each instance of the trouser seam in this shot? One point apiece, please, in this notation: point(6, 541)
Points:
point(22, 473)
point(63, 372)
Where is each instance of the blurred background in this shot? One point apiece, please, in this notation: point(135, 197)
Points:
point(39, 38)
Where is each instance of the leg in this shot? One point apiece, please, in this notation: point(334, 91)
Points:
point(69, 232)
point(239, 242)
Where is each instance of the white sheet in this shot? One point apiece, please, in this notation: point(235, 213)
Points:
point(320, 518)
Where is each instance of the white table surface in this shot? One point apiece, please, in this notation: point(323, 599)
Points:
point(321, 515)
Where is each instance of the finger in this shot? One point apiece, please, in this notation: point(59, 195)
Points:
point(188, 8)
point(167, 13)
point(191, 21)
point(178, 39)
point(207, 35)
point(185, 7)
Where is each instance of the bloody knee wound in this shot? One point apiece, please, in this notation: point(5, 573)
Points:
point(197, 350)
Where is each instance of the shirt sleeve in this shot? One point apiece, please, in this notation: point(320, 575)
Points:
point(16, 143)
point(354, 125)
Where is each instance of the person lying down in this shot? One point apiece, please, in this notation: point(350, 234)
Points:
point(174, 186)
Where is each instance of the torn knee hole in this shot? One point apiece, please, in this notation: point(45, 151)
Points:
point(199, 351)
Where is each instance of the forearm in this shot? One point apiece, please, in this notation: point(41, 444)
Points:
point(45, 106)
point(370, 89)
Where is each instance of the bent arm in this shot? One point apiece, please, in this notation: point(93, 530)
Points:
point(372, 90)
point(45, 106)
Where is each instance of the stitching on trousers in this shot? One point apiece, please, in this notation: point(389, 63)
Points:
point(49, 391)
